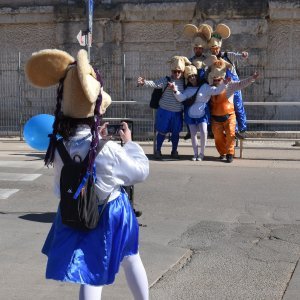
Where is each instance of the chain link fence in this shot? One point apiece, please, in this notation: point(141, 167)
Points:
point(19, 101)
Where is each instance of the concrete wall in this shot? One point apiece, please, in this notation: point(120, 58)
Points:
point(149, 33)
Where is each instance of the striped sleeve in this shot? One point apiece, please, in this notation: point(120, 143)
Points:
point(156, 84)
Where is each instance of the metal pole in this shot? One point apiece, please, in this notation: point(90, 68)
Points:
point(124, 77)
point(20, 98)
point(89, 12)
point(154, 130)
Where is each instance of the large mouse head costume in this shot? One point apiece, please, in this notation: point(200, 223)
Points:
point(216, 67)
point(179, 63)
point(199, 37)
point(80, 85)
point(221, 33)
point(79, 95)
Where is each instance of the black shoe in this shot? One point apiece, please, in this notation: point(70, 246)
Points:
point(158, 155)
point(229, 158)
point(138, 213)
point(210, 135)
point(222, 157)
point(241, 135)
point(174, 154)
point(187, 136)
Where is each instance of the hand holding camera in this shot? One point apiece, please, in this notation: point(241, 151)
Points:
point(113, 129)
point(116, 131)
point(125, 133)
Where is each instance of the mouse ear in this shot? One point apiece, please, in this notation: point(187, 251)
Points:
point(46, 67)
point(189, 30)
point(186, 61)
point(205, 31)
point(87, 76)
point(223, 30)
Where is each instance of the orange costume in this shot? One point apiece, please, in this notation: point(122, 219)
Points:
point(223, 120)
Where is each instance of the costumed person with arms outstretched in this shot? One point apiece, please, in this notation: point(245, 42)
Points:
point(91, 257)
point(169, 114)
point(196, 115)
point(223, 117)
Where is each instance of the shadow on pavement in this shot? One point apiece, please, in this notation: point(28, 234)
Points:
point(37, 155)
point(40, 217)
point(167, 157)
point(267, 159)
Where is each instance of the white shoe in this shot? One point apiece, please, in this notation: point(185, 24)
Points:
point(200, 157)
point(194, 158)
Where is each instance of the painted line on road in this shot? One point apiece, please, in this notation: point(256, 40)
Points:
point(5, 193)
point(37, 164)
point(18, 177)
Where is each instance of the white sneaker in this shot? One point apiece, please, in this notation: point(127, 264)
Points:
point(200, 157)
point(194, 158)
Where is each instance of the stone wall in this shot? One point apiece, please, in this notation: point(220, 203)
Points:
point(149, 33)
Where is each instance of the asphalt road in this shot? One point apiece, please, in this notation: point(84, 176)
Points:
point(209, 230)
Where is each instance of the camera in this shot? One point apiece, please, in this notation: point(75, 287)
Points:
point(113, 129)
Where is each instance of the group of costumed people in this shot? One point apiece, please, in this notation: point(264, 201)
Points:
point(213, 80)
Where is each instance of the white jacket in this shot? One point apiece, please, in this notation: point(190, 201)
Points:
point(197, 110)
point(115, 165)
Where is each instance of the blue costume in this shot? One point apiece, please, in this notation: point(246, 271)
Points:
point(237, 100)
point(70, 251)
point(169, 114)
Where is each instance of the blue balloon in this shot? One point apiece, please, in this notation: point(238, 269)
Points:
point(36, 131)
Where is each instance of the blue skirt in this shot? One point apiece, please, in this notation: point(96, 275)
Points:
point(195, 121)
point(93, 257)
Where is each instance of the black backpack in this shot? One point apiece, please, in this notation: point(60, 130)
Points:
point(156, 95)
point(78, 200)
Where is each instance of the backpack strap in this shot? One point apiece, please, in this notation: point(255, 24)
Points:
point(197, 90)
point(65, 156)
point(101, 144)
point(63, 153)
point(225, 56)
point(195, 94)
point(104, 205)
point(168, 79)
point(191, 100)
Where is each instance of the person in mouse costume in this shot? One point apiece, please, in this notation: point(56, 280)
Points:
point(91, 258)
point(221, 33)
point(169, 114)
point(222, 111)
point(199, 37)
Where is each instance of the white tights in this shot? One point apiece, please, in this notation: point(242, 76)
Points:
point(136, 279)
point(202, 128)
